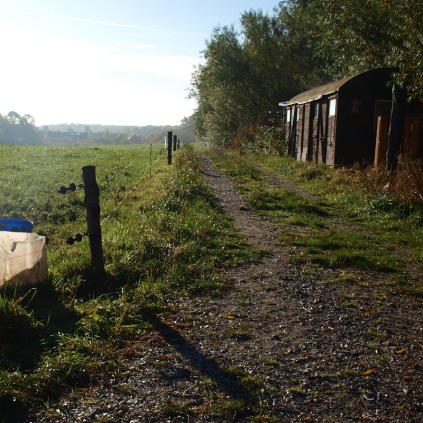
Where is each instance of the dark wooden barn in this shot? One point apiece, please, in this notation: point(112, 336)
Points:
point(336, 123)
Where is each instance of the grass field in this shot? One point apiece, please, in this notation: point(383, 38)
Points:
point(162, 235)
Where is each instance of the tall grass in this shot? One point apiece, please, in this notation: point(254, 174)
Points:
point(162, 236)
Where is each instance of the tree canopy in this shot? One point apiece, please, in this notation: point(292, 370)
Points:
point(250, 69)
point(357, 35)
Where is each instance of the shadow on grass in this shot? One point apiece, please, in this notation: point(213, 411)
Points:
point(28, 330)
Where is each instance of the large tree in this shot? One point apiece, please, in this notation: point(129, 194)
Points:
point(356, 35)
point(222, 87)
point(17, 129)
point(247, 73)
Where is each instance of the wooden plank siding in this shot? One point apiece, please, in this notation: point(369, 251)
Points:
point(336, 123)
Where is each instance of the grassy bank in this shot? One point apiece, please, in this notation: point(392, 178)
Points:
point(340, 218)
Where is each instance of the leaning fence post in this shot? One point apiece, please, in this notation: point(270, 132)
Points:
point(92, 206)
point(169, 147)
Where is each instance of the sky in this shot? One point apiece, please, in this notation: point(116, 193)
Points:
point(109, 62)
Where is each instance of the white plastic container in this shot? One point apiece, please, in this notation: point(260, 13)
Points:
point(23, 259)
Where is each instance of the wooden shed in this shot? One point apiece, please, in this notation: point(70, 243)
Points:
point(336, 123)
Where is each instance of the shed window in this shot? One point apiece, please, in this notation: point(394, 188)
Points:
point(288, 115)
point(332, 107)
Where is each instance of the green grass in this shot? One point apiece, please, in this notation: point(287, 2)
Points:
point(162, 236)
point(342, 218)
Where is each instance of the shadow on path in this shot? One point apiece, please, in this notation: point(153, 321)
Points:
point(226, 381)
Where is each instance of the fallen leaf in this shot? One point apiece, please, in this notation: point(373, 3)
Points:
point(369, 372)
point(402, 351)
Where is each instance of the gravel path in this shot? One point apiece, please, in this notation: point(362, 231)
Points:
point(282, 345)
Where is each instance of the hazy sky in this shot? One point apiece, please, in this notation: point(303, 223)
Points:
point(123, 62)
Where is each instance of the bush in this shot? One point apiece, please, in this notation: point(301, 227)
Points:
point(261, 140)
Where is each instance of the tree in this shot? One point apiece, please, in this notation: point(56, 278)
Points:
point(27, 120)
point(356, 35)
point(13, 118)
point(248, 73)
point(17, 129)
point(186, 129)
point(222, 87)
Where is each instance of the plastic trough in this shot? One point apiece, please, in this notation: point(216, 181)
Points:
point(23, 259)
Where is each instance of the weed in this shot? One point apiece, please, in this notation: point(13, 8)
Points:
point(173, 409)
point(345, 374)
point(272, 362)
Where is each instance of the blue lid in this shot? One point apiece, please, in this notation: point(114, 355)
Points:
point(15, 224)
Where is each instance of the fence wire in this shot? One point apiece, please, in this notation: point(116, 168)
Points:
point(142, 176)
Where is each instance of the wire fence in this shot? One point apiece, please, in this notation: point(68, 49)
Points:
point(78, 237)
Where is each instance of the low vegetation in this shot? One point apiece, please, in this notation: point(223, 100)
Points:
point(165, 236)
point(386, 214)
point(162, 236)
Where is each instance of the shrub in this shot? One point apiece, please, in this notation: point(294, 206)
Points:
point(407, 181)
point(261, 140)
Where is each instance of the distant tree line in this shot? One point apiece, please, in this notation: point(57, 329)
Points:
point(249, 70)
point(21, 130)
point(17, 129)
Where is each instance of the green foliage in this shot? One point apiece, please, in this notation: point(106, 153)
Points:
point(17, 129)
point(356, 35)
point(267, 140)
point(18, 327)
point(354, 223)
point(247, 73)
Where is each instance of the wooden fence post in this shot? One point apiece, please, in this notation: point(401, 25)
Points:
point(169, 147)
point(92, 206)
point(151, 158)
point(175, 138)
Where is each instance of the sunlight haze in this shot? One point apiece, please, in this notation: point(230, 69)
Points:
point(110, 62)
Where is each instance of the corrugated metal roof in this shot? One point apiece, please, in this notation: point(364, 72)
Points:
point(318, 92)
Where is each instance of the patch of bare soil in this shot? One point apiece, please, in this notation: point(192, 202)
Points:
point(283, 345)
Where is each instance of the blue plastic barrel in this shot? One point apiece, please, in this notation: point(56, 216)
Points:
point(11, 224)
